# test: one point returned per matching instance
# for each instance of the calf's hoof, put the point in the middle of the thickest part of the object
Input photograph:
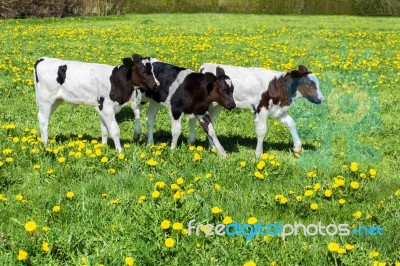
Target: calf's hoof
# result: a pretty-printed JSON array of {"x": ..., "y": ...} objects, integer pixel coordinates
[{"x": 297, "y": 153}]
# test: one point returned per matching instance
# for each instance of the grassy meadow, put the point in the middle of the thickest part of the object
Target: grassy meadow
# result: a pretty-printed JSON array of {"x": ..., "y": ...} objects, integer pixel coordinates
[{"x": 76, "y": 202}]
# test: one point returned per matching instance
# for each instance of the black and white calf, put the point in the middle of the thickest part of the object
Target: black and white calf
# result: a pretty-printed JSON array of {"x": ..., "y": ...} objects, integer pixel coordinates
[
  {"x": 105, "y": 87},
  {"x": 267, "y": 93},
  {"x": 183, "y": 91}
]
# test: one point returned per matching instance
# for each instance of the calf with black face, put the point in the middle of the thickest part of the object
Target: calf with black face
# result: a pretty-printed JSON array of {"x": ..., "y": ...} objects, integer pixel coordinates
[{"x": 183, "y": 91}]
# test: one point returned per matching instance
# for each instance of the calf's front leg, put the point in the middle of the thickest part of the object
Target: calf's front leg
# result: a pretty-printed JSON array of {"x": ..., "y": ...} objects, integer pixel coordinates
[
  {"x": 206, "y": 124},
  {"x": 289, "y": 122},
  {"x": 260, "y": 122}
]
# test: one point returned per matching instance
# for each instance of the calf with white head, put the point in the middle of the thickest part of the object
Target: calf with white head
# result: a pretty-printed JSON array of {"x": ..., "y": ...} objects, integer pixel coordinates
[
  {"x": 104, "y": 87},
  {"x": 267, "y": 93}
]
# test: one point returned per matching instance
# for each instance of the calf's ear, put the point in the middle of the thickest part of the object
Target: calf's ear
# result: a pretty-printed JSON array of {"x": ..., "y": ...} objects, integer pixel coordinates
[
  {"x": 136, "y": 58},
  {"x": 220, "y": 71},
  {"x": 303, "y": 69},
  {"x": 210, "y": 77},
  {"x": 128, "y": 63}
]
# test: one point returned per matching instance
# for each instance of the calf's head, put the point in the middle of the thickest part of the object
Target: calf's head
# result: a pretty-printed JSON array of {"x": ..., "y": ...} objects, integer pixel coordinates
[
  {"x": 140, "y": 71},
  {"x": 303, "y": 83},
  {"x": 221, "y": 88}
]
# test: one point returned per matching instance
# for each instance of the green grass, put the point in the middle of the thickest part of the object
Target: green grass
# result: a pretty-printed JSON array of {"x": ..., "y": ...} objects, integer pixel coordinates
[{"x": 357, "y": 61}]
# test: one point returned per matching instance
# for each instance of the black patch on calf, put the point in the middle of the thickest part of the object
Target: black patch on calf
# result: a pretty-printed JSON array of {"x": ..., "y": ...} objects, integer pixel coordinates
[
  {"x": 121, "y": 87},
  {"x": 191, "y": 97},
  {"x": 37, "y": 63},
  {"x": 277, "y": 92},
  {"x": 100, "y": 101},
  {"x": 166, "y": 74},
  {"x": 61, "y": 74}
]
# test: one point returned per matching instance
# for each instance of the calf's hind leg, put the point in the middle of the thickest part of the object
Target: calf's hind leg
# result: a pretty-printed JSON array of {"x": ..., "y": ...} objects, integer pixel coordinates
[
  {"x": 110, "y": 123},
  {"x": 45, "y": 111}
]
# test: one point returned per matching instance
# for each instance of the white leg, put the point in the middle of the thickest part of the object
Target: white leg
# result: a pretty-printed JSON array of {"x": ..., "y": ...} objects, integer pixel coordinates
[
  {"x": 137, "y": 108},
  {"x": 214, "y": 112},
  {"x": 108, "y": 118},
  {"x": 260, "y": 122},
  {"x": 176, "y": 128},
  {"x": 192, "y": 130},
  {"x": 150, "y": 119},
  {"x": 206, "y": 124},
  {"x": 289, "y": 122},
  {"x": 45, "y": 111},
  {"x": 104, "y": 131}
]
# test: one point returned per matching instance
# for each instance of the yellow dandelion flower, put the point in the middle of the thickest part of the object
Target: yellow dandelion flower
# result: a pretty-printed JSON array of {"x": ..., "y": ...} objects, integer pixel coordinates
[
  {"x": 374, "y": 254},
  {"x": 354, "y": 167},
  {"x": 104, "y": 159},
  {"x": 299, "y": 198},
  {"x": 311, "y": 174},
  {"x": 227, "y": 220},
  {"x": 160, "y": 184},
  {"x": 45, "y": 228},
  {"x": 61, "y": 159},
  {"x": 357, "y": 214},
  {"x": 314, "y": 206},
  {"x": 342, "y": 201},
  {"x": 121, "y": 156},
  {"x": 283, "y": 200},
  {"x": 341, "y": 251},
  {"x": 192, "y": 148},
  {"x": 199, "y": 148},
  {"x": 349, "y": 247},
  {"x": 9, "y": 160},
  {"x": 36, "y": 166},
  {"x": 354, "y": 185},
  {"x": 180, "y": 181},
  {"x": 151, "y": 162},
  {"x": 70, "y": 194},
  {"x": 165, "y": 224},
  {"x": 155, "y": 194},
  {"x": 208, "y": 175},
  {"x": 217, "y": 187},
  {"x": 196, "y": 157},
  {"x": 260, "y": 165},
  {"x": 174, "y": 187},
  {"x": 7, "y": 151},
  {"x": 31, "y": 227},
  {"x": 45, "y": 247},
  {"x": 252, "y": 220},
  {"x": 317, "y": 186},
  {"x": 372, "y": 172},
  {"x": 216, "y": 210},
  {"x": 250, "y": 263},
  {"x": 177, "y": 226},
  {"x": 308, "y": 193},
  {"x": 169, "y": 242},
  {"x": 328, "y": 193},
  {"x": 259, "y": 175},
  {"x": 129, "y": 261},
  {"x": 56, "y": 208},
  {"x": 363, "y": 175},
  {"x": 111, "y": 171},
  {"x": 243, "y": 163},
  {"x": 141, "y": 199},
  {"x": 22, "y": 255},
  {"x": 177, "y": 195},
  {"x": 333, "y": 247},
  {"x": 19, "y": 197}
]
